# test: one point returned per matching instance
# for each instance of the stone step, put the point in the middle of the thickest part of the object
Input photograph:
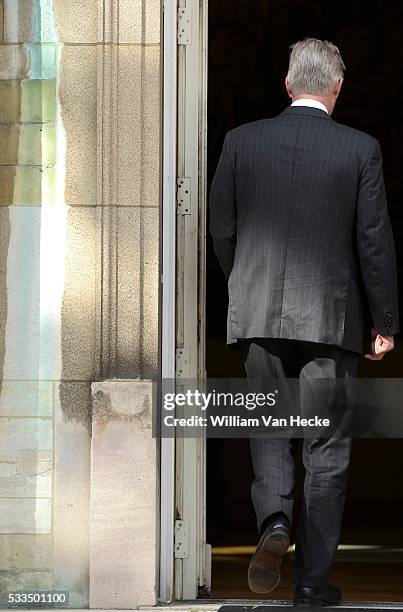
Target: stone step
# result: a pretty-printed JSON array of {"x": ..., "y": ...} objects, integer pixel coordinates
[{"x": 287, "y": 605}]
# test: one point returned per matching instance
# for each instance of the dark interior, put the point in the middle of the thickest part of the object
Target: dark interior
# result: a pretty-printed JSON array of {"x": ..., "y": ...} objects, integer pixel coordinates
[{"x": 248, "y": 58}]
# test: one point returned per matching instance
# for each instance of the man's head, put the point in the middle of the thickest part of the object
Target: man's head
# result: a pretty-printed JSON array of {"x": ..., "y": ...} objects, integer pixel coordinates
[{"x": 315, "y": 71}]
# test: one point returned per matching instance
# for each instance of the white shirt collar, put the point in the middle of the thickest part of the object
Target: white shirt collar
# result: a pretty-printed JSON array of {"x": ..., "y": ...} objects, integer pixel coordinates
[{"x": 310, "y": 102}]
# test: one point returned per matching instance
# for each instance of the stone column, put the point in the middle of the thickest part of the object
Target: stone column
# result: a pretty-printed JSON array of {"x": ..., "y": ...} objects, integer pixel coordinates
[{"x": 124, "y": 505}]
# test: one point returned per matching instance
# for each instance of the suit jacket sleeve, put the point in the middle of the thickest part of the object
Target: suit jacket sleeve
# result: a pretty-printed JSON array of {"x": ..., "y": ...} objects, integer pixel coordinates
[
  {"x": 376, "y": 247},
  {"x": 222, "y": 204}
]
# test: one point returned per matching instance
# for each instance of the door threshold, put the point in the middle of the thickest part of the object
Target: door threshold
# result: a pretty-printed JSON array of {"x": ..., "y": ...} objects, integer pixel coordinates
[
  {"x": 255, "y": 605},
  {"x": 265, "y": 606}
]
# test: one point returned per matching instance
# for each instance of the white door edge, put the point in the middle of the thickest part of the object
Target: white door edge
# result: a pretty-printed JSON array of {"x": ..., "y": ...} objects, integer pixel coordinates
[
  {"x": 182, "y": 462},
  {"x": 168, "y": 238}
]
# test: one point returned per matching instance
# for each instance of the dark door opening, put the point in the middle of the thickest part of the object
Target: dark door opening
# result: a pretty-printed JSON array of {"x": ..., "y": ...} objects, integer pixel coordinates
[{"x": 248, "y": 57}]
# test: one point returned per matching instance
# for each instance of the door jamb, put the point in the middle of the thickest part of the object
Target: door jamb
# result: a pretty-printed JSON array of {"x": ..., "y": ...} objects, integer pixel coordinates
[
  {"x": 168, "y": 278},
  {"x": 168, "y": 290}
]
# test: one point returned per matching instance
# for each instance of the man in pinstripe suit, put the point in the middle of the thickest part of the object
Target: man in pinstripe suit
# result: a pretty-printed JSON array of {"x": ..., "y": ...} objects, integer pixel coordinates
[{"x": 300, "y": 225}]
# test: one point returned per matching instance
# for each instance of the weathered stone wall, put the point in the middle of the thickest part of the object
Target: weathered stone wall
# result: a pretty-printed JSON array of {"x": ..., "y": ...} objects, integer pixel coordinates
[{"x": 79, "y": 231}]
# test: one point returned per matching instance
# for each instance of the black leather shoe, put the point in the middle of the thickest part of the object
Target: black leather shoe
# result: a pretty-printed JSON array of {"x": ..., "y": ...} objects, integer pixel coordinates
[
  {"x": 264, "y": 567},
  {"x": 307, "y": 597}
]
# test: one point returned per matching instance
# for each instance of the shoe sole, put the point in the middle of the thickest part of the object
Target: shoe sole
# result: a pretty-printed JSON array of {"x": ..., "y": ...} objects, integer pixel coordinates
[{"x": 264, "y": 567}]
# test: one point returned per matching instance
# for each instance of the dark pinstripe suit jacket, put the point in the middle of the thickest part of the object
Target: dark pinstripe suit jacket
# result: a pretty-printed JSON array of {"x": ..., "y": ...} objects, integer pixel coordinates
[{"x": 300, "y": 225}]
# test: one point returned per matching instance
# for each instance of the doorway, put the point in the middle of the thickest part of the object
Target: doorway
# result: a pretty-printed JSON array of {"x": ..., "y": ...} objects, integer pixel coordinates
[{"x": 248, "y": 46}]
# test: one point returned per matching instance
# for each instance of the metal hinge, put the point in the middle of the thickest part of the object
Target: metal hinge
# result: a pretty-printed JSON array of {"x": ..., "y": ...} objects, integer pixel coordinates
[
  {"x": 183, "y": 196},
  {"x": 184, "y": 25},
  {"x": 181, "y": 539},
  {"x": 182, "y": 365}
]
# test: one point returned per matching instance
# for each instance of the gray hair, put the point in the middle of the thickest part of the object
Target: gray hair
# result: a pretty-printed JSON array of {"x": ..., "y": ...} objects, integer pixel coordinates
[{"x": 315, "y": 66}]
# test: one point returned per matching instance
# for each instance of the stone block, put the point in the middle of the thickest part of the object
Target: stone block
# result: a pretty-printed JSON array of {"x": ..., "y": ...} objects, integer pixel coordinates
[
  {"x": 78, "y": 107},
  {"x": 123, "y": 467},
  {"x": 138, "y": 282},
  {"x": 125, "y": 21},
  {"x": 29, "y": 21},
  {"x": 42, "y": 61},
  {"x": 26, "y": 552},
  {"x": 27, "y": 101},
  {"x": 25, "y": 515},
  {"x": 33, "y": 469},
  {"x": 77, "y": 21},
  {"x": 38, "y": 100},
  {"x": 27, "y": 186},
  {"x": 78, "y": 323},
  {"x": 26, "y": 398},
  {"x": 140, "y": 21},
  {"x": 131, "y": 119},
  {"x": 25, "y": 434},
  {"x": 31, "y": 61},
  {"x": 136, "y": 125},
  {"x": 14, "y": 62},
  {"x": 23, "y": 581},
  {"x": 27, "y": 144},
  {"x": 10, "y": 101},
  {"x": 36, "y": 484}
]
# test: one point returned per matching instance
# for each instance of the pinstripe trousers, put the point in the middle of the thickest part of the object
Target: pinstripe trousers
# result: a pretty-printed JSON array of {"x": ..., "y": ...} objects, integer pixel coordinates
[{"x": 326, "y": 461}]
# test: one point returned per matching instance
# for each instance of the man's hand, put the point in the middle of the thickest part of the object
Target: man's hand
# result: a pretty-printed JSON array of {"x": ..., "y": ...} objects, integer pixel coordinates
[{"x": 380, "y": 345}]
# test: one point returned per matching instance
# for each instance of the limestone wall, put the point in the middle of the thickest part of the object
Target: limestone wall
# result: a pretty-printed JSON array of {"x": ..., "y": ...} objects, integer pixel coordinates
[{"x": 79, "y": 244}]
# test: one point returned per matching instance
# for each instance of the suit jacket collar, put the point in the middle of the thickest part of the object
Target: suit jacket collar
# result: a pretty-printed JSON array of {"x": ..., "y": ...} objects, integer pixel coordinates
[{"x": 306, "y": 111}]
